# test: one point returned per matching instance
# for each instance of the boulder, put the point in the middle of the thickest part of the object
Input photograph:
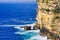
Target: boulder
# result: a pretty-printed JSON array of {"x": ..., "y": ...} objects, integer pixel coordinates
[{"x": 27, "y": 28}]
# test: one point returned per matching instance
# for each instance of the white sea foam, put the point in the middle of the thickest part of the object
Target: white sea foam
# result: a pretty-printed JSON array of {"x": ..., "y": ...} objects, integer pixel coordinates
[
  {"x": 37, "y": 38},
  {"x": 21, "y": 33},
  {"x": 33, "y": 33},
  {"x": 18, "y": 27},
  {"x": 26, "y": 32}
]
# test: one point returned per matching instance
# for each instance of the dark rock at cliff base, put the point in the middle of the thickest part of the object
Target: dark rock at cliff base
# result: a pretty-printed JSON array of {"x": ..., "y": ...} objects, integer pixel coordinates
[
  {"x": 36, "y": 27},
  {"x": 27, "y": 28}
]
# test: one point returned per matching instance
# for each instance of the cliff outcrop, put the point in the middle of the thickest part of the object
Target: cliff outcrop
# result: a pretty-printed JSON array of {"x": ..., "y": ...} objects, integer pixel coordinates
[{"x": 48, "y": 17}]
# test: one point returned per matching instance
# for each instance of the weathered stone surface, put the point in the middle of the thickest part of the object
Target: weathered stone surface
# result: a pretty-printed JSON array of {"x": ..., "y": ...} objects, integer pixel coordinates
[
  {"x": 36, "y": 27},
  {"x": 48, "y": 18}
]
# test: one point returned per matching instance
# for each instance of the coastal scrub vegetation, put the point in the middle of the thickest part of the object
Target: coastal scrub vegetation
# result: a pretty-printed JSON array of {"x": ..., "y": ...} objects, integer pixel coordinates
[
  {"x": 47, "y": 1},
  {"x": 57, "y": 17},
  {"x": 44, "y": 9},
  {"x": 56, "y": 10}
]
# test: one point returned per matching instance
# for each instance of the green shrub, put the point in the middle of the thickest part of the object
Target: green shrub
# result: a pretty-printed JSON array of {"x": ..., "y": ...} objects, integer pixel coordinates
[
  {"x": 47, "y": 10},
  {"x": 56, "y": 10},
  {"x": 46, "y": 1},
  {"x": 57, "y": 17}
]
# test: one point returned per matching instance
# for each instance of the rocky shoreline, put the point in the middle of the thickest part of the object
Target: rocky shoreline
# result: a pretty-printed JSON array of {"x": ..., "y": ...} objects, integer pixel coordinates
[
  {"x": 48, "y": 17},
  {"x": 35, "y": 27},
  {"x": 44, "y": 32}
]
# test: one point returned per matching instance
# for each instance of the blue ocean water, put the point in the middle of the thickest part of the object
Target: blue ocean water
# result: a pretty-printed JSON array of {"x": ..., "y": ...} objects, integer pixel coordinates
[
  {"x": 18, "y": 14},
  {"x": 12, "y": 33}
]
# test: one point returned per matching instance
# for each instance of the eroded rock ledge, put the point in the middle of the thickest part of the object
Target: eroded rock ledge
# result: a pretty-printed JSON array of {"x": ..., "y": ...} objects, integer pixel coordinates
[{"x": 48, "y": 17}]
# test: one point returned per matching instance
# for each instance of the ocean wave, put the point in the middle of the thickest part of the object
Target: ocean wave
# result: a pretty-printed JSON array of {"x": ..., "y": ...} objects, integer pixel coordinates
[
  {"x": 31, "y": 34},
  {"x": 26, "y": 32},
  {"x": 21, "y": 33},
  {"x": 34, "y": 35},
  {"x": 37, "y": 38}
]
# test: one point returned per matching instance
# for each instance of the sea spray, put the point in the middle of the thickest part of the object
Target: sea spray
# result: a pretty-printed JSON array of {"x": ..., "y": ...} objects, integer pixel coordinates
[{"x": 30, "y": 34}]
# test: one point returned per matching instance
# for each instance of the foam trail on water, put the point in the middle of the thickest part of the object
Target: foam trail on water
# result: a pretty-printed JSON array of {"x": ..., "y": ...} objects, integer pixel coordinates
[
  {"x": 18, "y": 26},
  {"x": 32, "y": 34},
  {"x": 21, "y": 33},
  {"x": 26, "y": 32}
]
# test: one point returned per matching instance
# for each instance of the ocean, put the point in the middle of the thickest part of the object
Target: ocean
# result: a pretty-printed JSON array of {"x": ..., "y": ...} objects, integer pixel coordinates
[
  {"x": 15, "y": 13},
  {"x": 12, "y": 15}
]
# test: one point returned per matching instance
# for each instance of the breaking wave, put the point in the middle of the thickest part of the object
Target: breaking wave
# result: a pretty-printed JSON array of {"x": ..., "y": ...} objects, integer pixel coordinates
[{"x": 31, "y": 34}]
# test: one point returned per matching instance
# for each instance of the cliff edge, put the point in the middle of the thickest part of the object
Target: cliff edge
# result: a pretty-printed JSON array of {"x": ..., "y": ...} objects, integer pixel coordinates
[{"x": 48, "y": 17}]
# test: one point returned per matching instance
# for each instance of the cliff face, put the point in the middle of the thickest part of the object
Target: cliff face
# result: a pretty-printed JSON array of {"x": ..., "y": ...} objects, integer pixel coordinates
[{"x": 48, "y": 17}]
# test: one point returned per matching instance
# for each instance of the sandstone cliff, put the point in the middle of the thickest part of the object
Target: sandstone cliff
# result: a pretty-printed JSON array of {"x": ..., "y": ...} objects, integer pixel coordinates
[{"x": 48, "y": 17}]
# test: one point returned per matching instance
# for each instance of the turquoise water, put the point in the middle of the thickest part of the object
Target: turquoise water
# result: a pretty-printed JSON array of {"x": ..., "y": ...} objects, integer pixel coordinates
[{"x": 15, "y": 33}]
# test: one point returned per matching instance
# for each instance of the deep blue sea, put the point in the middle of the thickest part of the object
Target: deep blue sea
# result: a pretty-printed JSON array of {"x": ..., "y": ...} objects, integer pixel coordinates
[{"x": 18, "y": 14}]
